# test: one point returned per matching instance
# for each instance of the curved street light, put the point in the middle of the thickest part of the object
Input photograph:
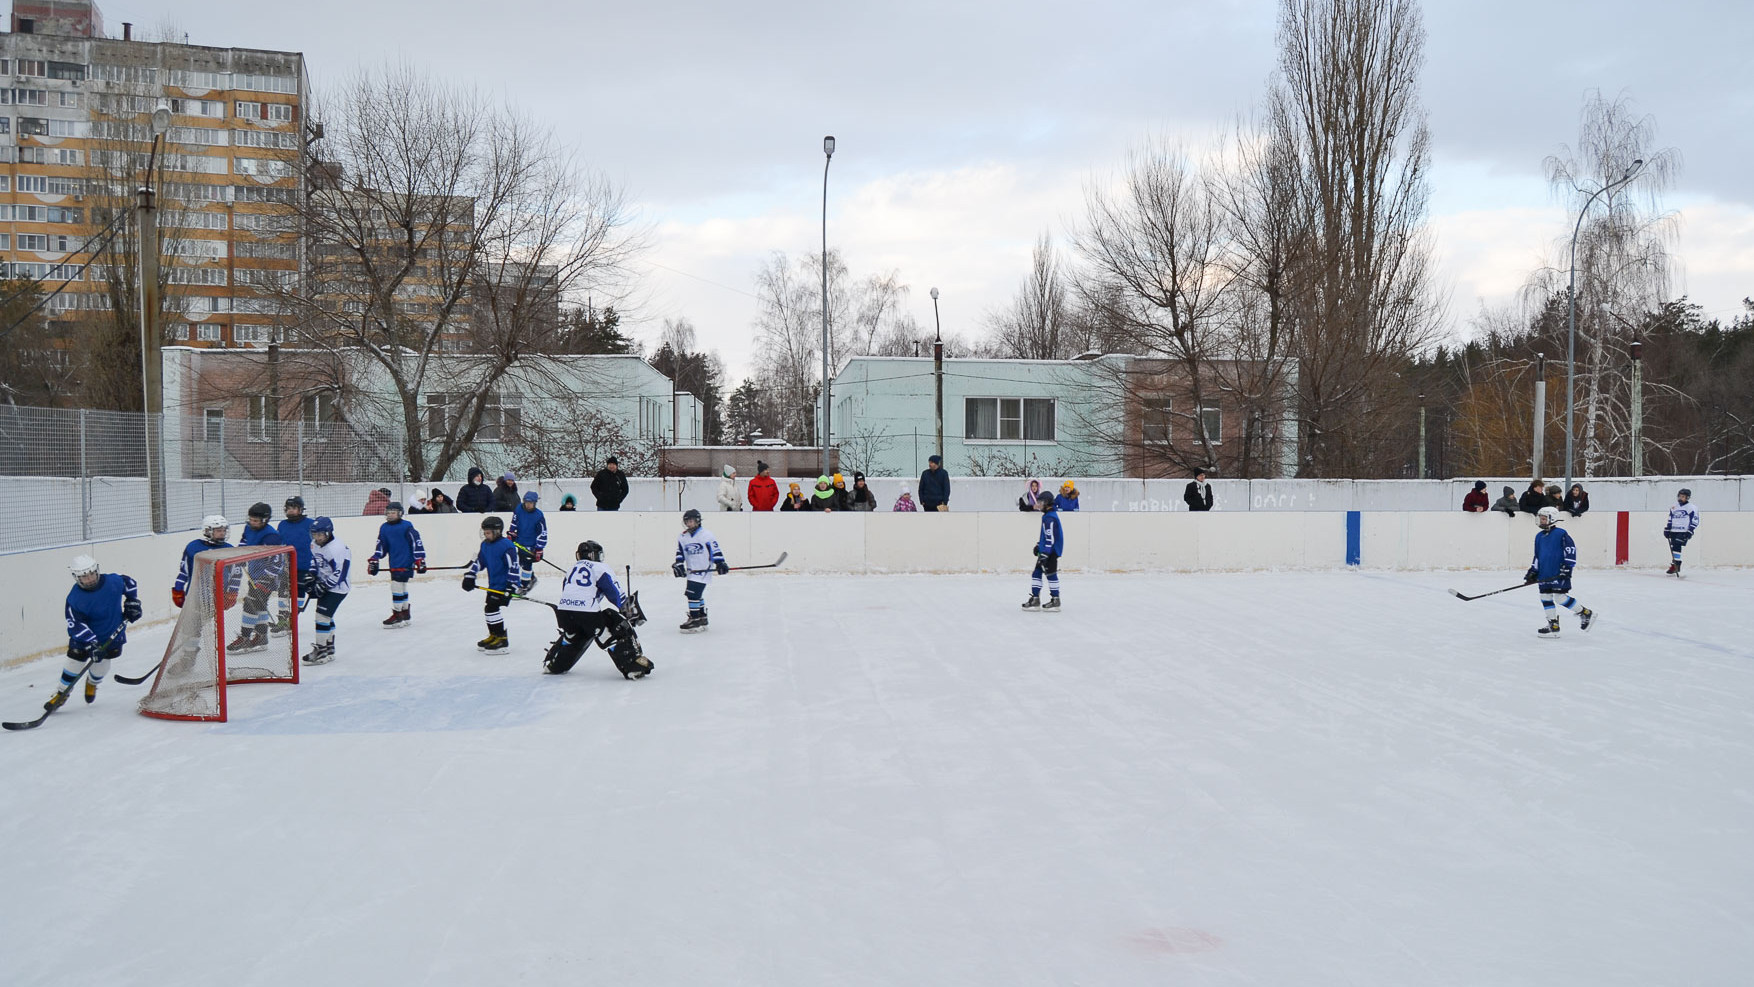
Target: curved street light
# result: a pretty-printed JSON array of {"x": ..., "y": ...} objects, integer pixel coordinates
[
  {"x": 1571, "y": 315},
  {"x": 827, "y": 158}
]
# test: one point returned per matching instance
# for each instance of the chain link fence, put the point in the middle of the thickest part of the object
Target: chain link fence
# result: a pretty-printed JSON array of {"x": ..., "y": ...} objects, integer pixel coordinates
[{"x": 69, "y": 476}]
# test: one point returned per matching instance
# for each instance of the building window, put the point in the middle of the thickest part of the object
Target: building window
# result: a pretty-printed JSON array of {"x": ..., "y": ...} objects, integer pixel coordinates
[
  {"x": 33, "y": 241},
  {"x": 33, "y": 183},
  {"x": 68, "y": 156},
  {"x": 32, "y": 127},
  {"x": 1154, "y": 416},
  {"x": 214, "y": 425},
  {"x": 501, "y": 418},
  {"x": 211, "y": 332},
  {"x": 438, "y": 423},
  {"x": 69, "y": 128},
  {"x": 5, "y": 241},
  {"x": 1009, "y": 419},
  {"x": 264, "y": 417},
  {"x": 319, "y": 414},
  {"x": 1212, "y": 420},
  {"x": 33, "y": 155},
  {"x": 72, "y": 71},
  {"x": 30, "y": 97},
  {"x": 32, "y": 66},
  {"x": 69, "y": 100},
  {"x": 280, "y": 112}
]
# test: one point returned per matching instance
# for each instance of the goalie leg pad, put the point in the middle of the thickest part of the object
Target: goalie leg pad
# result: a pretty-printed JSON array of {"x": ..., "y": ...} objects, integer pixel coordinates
[
  {"x": 624, "y": 650},
  {"x": 576, "y": 630}
]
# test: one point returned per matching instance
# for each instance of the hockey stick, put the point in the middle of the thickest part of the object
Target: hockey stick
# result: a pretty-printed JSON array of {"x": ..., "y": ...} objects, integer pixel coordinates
[
  {"x": 545, "y": 558},
  {"x": 33, "y": 724},
  {"x": 770, "y": 565},
  {"x": 1458, "y": 594},
  {"x": 517, "y": 596}
]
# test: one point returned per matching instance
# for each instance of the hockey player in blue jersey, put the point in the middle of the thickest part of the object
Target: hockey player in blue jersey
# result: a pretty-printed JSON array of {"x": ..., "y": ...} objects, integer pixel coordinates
[
  {"x": 529, "y": 532},
  {"x": 331, "y": 571},
  {"x": 1683, "y": 520},
  {"x": 1555, "y": 556},
  {"x": 697, "y": 558},
  {"x": 1049, "y": 546},
  {"x": 295, "y": 531},
  {"x": 100, "y": 606},
  {"x": 399, "y": 547},
  {"x": 498, "y": 562},
  {"x": 214, "y": 530},
  {"x": 591, "y": 606},
  {"x": 264, "y": 577}
]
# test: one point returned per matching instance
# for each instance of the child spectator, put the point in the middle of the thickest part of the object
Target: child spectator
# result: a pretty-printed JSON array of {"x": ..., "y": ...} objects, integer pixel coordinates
[
  {"x": 1577, "y": 503},
  {"x": 860, "y": 497},
  {"x": 1507, "y": 503},
  {"x": 1068, "y": 498},
  {"x": 795, "y": 500},
  {"x": 1476, "y": 502},
  {"x": 1026, "y": 503},
  {"x": 905, "y": 503}
]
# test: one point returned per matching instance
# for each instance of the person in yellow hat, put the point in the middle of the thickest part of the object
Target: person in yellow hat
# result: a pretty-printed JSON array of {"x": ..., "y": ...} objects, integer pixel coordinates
[{"x": 1068, "y": 498}]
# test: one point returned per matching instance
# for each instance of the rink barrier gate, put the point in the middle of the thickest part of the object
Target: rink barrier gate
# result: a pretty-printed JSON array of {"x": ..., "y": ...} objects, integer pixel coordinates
[{"x": 34, "y": 584}]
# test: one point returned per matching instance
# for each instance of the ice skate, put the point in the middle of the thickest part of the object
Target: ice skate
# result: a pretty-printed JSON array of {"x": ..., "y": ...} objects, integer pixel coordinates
[
  {"x": 1033, "y": 603},
  {"x": 1052, "y": 605},
  {"x": 1675, "y": 569},
  {"x": 90, "y": 691},
  {"x": 399, "y": 618},
  {"x": 1585, "y": 618},
  {"x": 494, "y": 644},
  {"x": 695, "y": 623},
  {"x": 282, "y": 625},
  {"x": 55, "y": 702},
  {"x": 1551, "y": 631},
  {"x": 248, "y": 640},
  {"x": 320, "y": 654}
]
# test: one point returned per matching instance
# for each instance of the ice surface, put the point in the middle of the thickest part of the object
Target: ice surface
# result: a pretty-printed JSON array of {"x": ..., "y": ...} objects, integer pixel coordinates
[{"x": 1266, "y": 778}]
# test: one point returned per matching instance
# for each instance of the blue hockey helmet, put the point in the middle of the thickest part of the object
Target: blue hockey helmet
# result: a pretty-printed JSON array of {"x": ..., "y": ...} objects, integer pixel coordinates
[{"x": 322, "y": 526}]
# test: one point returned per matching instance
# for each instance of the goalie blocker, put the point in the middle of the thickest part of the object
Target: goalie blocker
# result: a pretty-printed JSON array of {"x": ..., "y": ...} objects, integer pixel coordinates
[{"x": 592, "y": 608}]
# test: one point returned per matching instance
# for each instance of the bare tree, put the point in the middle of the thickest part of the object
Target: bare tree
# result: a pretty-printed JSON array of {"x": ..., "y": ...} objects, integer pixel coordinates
[
  {"x": 1346, "y": 108},
  {"x": 440, "y": 225},
  {"x": 1039, "y": 323}
]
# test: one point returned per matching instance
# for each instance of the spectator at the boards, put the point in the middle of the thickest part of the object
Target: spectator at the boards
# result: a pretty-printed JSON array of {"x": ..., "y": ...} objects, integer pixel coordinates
[
  {"x": 1477, "y": 501},
  {"x": 440, "y": 503},
  {"x": 1534, "y": 498},
  {"x": 1507, "y": 503},
  {"x": 822, "y": 498},
  {"x": 475, "y": 497},
  {"x": 860, "y": 498},
  {"x": 609, "y": 486},
  {"x": 377, "y": 500},
  {"x": 419, "y": 507},
  {"x": 505, "y": 493},
  {"x": 1067, "y": 500},
  {"x": 1198, "y": 495},
  {"x": 730, "y": 498},
  {"x": 843, "y": 501},
  {"x": 1027, "y": 501},
  {"x": 795, "y": 500},
  {"x": 1554, "y": 500},
  {"x": 569, "y": 503},
  {"x": 935, "y": 485},
  {"x": 905, "y": 503},
  {"x": 1577, "y": 502},
  {"x": 763, "y": 492}
]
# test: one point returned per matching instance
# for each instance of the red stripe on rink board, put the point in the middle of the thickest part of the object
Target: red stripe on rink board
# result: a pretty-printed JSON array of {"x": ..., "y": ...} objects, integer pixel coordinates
[{"x": 1622, "y": 538}]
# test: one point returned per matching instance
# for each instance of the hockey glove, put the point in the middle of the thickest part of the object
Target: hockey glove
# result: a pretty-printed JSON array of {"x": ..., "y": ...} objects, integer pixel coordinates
[
  {"x": 678, "y": 570},
  {"x": 307, "y": 583},
  {"x": 1037, "y": 550},
  {"x": 131, "y": 611},
  {"x": 722, "y": 567},
  {"x": 177, "y": 598},
  {"x": 469, "y": 583},
  {"x": 1531, "y": 575},
  {"x": 536, "y": 556},
  {"x": 79, "y": 652},
  {"x": 371, "y": 567},
  {"x": 420, "y": 565},
  {"x": 231, "y": 600}
]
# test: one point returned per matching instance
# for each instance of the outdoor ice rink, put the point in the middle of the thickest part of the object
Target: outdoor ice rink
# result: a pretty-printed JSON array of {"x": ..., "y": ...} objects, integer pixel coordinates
[{"x": 1343, "y": 778}]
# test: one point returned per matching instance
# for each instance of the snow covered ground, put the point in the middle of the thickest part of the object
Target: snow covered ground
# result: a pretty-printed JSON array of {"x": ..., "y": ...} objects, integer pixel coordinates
[{"x": 1264, "y": 778}]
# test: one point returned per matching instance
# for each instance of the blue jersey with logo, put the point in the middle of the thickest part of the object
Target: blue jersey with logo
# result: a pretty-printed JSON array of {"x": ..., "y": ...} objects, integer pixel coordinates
[
  {"x": 95, "y": 614},
  {"x": 498, "y": 559},
  {"x": 399, "y": 545},
  {"x": 1053, "y": 537},
  {"x": 529, "y": 528}
]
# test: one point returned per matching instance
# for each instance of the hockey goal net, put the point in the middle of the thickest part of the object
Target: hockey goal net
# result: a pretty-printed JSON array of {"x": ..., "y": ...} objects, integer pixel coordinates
[{"x": 231, "y": 587}]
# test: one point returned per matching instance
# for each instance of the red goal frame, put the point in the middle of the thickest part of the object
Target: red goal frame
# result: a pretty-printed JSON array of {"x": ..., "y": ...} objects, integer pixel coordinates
[{"x": 236, "y": 557}]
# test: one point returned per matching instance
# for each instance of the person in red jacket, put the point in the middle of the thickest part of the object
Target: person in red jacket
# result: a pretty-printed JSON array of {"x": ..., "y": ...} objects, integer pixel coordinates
[
  {"x": 1476, "y": 502},
  {"x": 763, "y": 492}
]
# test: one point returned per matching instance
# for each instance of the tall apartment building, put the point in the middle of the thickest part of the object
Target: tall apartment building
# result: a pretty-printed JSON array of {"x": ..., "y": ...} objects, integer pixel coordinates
[{"x": 74, "y": 144}]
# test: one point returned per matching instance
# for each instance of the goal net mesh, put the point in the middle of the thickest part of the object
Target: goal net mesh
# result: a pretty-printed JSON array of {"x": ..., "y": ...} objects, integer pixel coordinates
[{"x": 208, "y": 650}]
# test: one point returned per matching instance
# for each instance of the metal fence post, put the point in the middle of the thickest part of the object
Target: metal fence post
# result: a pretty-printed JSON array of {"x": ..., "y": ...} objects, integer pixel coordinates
[
  {"x": 84, "y": 485},
  {"x": 221, "y": 469},
  {"x": 300, "y": 446}
]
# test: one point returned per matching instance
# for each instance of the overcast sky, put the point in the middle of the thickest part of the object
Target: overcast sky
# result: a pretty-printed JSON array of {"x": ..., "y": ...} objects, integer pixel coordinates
[{"x": 966, "y": 129}]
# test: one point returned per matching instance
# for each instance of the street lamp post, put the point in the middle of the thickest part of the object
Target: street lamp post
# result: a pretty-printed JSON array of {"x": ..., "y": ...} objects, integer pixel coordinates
[
  {"x": 827, "y": 429},
  {"x": 938, "y": 371},
  {"x": 1637, "y": 410},
  {"x": 1422, "y": 435},
  {"x": 151, "y": 333},
  {"x": 1571, "y": 316}
]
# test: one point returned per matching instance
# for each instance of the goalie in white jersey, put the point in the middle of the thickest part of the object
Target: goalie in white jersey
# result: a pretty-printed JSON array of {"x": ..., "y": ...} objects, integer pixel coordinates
[
  {"x": 697, "y": 557},
  {"x": 592, "y": 608}
]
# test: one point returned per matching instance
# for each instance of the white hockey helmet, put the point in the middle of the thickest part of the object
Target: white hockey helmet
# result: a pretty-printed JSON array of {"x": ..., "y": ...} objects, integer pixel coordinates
[
  {"x": 82, "y": 565},
  {"x": 1547, "y": 517},
  {"x": 212, "y": 521}
]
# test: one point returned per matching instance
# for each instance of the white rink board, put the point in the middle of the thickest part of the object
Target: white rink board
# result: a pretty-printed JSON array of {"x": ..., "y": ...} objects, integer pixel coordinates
[{"x": 1310, "y": 778}]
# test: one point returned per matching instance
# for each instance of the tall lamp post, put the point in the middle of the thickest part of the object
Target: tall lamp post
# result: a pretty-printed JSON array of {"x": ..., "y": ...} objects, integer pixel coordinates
[
  {"x": 827, "y": 430},
  {"x": 938, "y": 371},
  {"x": 1571, "y": 316},
  {"x": 151, "y": 312}
]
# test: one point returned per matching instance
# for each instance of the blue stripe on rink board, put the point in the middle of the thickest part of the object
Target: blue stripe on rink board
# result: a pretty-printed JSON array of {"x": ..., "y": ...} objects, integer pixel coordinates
[{"x": 1354, "y": 552}]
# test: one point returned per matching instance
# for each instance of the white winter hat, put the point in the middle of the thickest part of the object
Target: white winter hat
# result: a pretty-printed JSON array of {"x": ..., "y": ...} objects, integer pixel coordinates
[
  {"x": 730, "y": 470},
  {"x": 906, "y": 489}
]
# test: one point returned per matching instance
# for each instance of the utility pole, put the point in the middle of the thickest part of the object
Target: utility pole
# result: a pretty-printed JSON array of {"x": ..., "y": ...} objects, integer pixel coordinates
[
  {"x": 827, "y": 429},
  {"x": 1540, "y": 414},
  {"x": 1422, "y": 436},
  {"x": 938, "y": 372},
  {"x": 1637, "y": 409}
]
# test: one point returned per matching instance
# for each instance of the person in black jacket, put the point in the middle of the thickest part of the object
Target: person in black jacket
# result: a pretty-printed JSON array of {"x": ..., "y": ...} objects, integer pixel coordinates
[
  {"x": 860, "y": 498},
  {"x": 1577, "y": 502},
  {"x": 475, "y": 497},
  {"x": 505, "y": 493},
  {"x": 1198, "y": 494},
  {"x": 935, "y": 485},
  {"x": 1533, "y": 499},
  {"x": 609, "y": 486}
]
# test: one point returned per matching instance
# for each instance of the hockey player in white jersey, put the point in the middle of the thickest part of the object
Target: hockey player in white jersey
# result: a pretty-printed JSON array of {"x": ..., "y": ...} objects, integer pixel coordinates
[
  {"x": 592, "y": 608},
  {"x": 697, "y": 558},
  {"x": 333, "y": 564},
  {"x": 1678, "y": 529}
]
